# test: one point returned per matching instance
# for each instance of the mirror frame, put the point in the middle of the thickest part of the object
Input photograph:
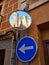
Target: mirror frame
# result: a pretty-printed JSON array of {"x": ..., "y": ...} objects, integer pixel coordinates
[{"x": 18, "y": 27}]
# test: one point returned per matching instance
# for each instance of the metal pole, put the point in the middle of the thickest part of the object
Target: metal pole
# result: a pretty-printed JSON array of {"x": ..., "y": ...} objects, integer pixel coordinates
[
  {"x": 19, "y": 34},
  {"x": 15, "y": 43},
  {"x": 26, "y": 63},
  {"x": 25, "y": 34}
]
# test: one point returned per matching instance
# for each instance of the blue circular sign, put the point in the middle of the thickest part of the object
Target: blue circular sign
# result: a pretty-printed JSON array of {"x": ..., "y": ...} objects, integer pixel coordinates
[{"x": 26, "y": 49}]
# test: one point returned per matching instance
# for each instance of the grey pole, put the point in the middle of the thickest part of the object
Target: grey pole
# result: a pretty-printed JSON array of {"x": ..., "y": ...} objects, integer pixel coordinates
[
  {"x": 17, "y": 41},
  {"x": 25, "y": 34}
]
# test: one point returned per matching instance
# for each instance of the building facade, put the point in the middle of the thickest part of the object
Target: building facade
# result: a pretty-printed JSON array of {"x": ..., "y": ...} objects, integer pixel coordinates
[{"x": 39, "y": 29}]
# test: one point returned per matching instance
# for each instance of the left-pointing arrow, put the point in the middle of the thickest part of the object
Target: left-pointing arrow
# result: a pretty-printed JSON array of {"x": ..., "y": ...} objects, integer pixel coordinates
[{"x": 23, "y": 48}]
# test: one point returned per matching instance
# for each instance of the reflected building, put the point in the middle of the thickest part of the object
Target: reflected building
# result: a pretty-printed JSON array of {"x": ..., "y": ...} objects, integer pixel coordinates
[
  {"x": 15, "y": 19},
  {"x": 23, "y": 21}
]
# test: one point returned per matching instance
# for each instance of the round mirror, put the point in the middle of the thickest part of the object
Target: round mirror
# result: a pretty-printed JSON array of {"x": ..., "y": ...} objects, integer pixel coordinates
[{"x": 20, "y": 19}]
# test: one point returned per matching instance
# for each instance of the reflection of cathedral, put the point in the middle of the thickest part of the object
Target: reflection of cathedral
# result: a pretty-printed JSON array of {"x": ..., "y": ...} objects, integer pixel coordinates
[
  {"x": 15, "y": 19},
  {"x": 24, "y": 21},
  {"x": 21, "y": 22}
]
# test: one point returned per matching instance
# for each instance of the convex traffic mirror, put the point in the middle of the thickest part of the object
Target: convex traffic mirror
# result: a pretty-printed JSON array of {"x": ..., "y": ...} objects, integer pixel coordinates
[{"x": 19, "y": 19}]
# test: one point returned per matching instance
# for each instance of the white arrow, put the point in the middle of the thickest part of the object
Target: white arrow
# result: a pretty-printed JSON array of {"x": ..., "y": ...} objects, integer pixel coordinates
[{"x": 23, "y": 48}]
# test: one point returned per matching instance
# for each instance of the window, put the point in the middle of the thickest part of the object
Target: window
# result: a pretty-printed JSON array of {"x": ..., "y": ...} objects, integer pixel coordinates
[
  {"x": 32, "y": 3},
  {"x": 1, "y": 0},
  {"x": 46, "y": 51},
  {"x": 1, "y": 6},
  {"x": 0, "y": 13},
  {"x": 2, "y": 55},
  {"x": 0, "y": 9}
]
